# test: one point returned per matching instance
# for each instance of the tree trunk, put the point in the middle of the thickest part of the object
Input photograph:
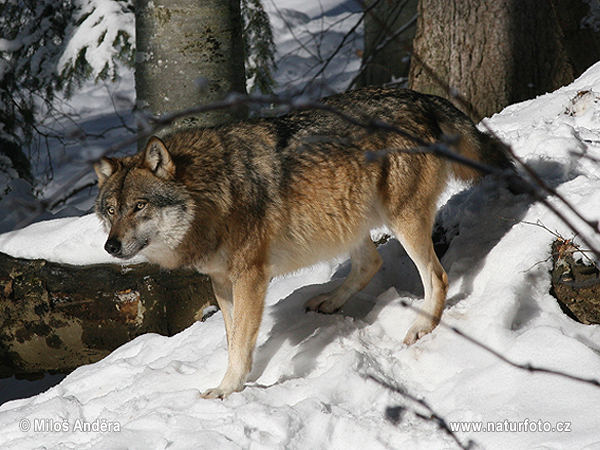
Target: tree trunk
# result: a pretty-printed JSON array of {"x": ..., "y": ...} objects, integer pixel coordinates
[
  {"x": 492, "y": 52},
  {"x": 188, "y": 53},
  {"x": 56, "y": 317},
  {"x": 581, "y": 37},
  {"x": 389, "y": 30}
]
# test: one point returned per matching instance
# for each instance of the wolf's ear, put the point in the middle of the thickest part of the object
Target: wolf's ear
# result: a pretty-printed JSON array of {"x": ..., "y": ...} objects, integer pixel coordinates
[
  {"x": 104, "y": 168},
  {"x": 158, "y": 160}
]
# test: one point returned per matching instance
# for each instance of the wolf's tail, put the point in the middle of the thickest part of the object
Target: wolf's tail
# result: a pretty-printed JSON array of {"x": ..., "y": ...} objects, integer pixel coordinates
[{"x": 471, "y": 143}]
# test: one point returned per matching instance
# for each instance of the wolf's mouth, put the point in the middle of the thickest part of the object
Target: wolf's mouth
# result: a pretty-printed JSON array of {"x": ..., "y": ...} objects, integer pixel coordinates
[
  {"x": 115, "y": 248},
  {"x": 144, "y": 245},
  {"x": 137, "y": 250}
]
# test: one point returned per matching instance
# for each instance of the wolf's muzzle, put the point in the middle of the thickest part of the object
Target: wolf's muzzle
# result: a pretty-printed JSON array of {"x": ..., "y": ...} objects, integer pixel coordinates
[{"x": 113, "y": 246}]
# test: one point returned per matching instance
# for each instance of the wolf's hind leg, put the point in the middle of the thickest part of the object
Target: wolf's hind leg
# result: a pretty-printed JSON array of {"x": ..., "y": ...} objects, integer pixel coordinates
[
  {"x": 365, "y": 263},
  {"x": 415, "y": 236}
]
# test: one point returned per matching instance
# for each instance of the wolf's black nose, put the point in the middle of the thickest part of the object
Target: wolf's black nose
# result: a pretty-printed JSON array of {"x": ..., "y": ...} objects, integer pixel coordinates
[{"x": 113, "y": 246}]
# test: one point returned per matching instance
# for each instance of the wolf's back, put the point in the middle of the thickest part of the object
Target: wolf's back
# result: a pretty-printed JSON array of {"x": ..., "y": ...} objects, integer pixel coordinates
[
  {"x": 426, "y": 117},
  {"x": 473, "y": 144}
]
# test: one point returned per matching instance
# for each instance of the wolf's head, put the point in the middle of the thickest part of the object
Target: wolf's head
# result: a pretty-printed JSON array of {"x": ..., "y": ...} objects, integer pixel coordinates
[{"x": 142, "y": 205}]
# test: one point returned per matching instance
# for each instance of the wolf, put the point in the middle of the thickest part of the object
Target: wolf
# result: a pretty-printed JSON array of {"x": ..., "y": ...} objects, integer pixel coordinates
[{"x": 247, "y": 201}]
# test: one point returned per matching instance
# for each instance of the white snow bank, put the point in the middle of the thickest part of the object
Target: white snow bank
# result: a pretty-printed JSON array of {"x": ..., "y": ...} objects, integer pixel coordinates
[
  {"x": 310, "y": 386},
  {"x": 71, "y": 240}
]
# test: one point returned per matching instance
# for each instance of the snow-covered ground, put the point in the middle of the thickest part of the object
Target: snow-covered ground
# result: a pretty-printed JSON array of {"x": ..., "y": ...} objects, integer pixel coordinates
[{"x": 312, "y": 386}]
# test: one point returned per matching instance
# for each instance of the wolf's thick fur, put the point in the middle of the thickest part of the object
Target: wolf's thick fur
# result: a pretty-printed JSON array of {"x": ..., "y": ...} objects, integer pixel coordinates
[{"x": 247, "y": 201}]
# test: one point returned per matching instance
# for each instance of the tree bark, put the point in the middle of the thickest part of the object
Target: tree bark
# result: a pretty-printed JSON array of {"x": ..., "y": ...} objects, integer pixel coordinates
[
  {"x": 188, "y": 52},
  {"x": 493, "y": 52},
  {"x": 56, "y": 317}
]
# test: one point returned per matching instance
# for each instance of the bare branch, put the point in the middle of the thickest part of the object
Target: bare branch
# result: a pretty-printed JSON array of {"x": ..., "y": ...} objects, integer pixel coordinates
[
  {"x": 528, "y": 367},
  {"x": 339, "y": 47},
  {"x": 432, "y": 417},
  {"x": 371, "y": 124},
  {"x": 539, "y": 183}
]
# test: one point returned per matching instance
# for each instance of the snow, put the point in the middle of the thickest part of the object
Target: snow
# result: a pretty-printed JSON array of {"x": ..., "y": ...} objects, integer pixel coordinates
[
  {"x": 70, "y": 240},
  {"x": 103, "y": 29},
  {"x": 95, "y": 118},
  {"x": 313, "y": 382},
  {"x": 311, "y": 386}
]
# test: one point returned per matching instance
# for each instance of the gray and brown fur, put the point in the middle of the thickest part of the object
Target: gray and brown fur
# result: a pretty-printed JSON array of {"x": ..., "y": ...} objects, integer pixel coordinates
[{"x": 251, "y": 200}]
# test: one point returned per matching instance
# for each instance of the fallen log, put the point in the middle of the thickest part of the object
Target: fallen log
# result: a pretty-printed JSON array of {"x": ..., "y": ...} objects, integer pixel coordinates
[{"x": 56, "y": 317}]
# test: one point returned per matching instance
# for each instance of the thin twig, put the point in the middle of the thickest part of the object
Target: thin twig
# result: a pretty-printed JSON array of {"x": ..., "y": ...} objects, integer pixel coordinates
[
  {"x": 471, "y": 110},
  {"x": 528, "y": 367},
  {"x": 433, "y": 416},
  {"x": 441, "y": 148},
  {"x": 339, "y": 47}
]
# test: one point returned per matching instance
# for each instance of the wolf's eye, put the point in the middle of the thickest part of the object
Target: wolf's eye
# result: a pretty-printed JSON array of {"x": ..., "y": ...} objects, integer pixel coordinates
[
  {"x": 139, "y": 206},
  {"x": 110, "y": 210}
]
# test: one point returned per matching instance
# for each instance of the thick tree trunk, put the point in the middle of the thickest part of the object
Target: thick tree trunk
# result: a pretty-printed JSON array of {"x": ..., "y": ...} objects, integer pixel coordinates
[
  {"x": 188, "y": 53},
  {"x": 56, "y": 317},
  {"x": 492, "y": 52},
  {"x": 389, "y": 30}
]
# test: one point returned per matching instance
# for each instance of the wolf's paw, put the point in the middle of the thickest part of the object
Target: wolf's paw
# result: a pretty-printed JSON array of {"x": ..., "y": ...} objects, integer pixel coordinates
[
  {"x": 233, "y": 381},
  {"x": 215, "y": 393},
  {"x": 417, "y": 331},
  {"x": 324, "y": 303}
]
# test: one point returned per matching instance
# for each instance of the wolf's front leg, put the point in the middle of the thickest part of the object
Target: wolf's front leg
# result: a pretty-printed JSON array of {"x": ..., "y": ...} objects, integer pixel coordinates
[{"x": 249, "y": 291}]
